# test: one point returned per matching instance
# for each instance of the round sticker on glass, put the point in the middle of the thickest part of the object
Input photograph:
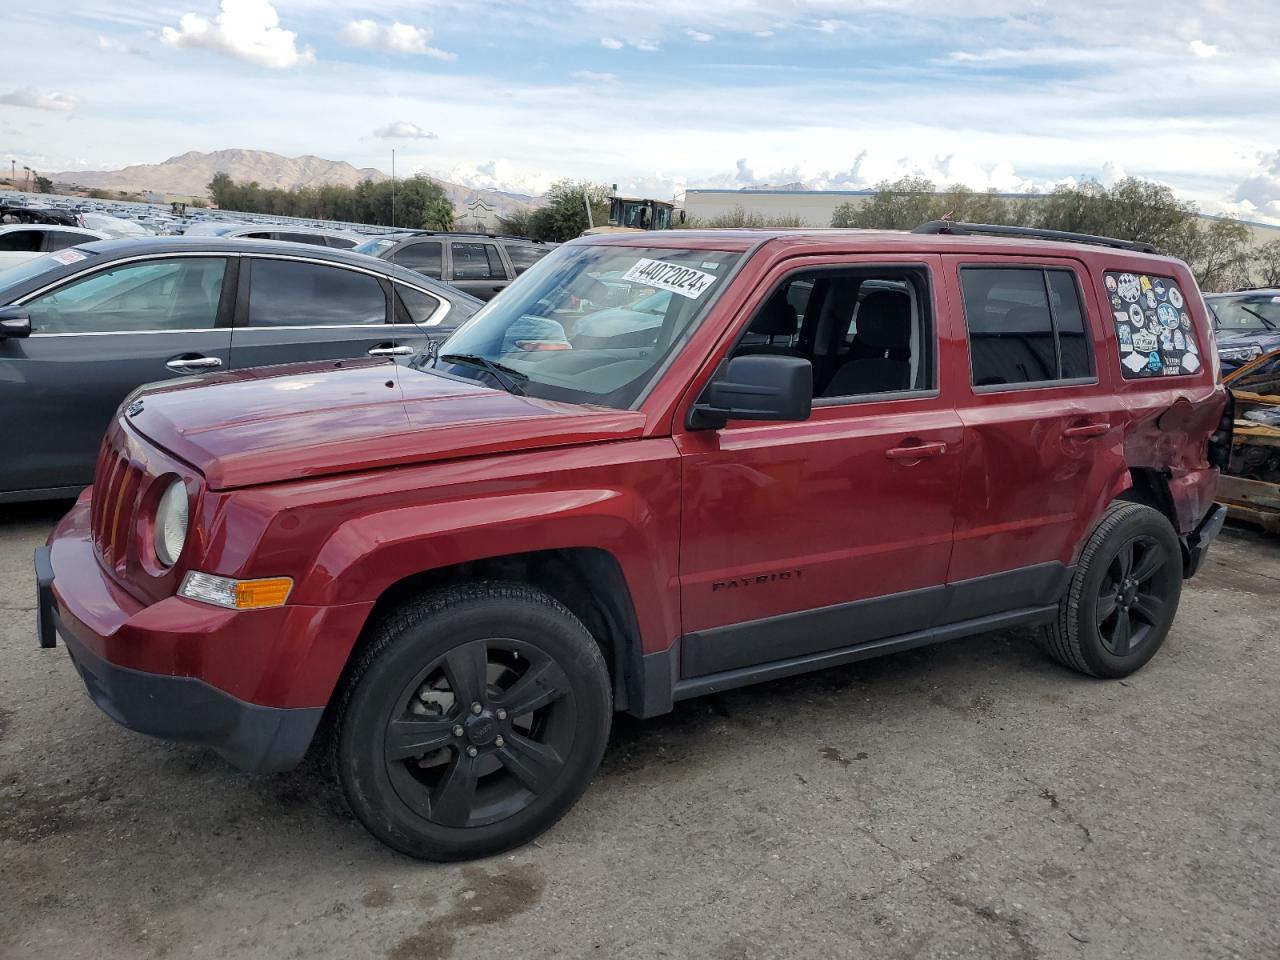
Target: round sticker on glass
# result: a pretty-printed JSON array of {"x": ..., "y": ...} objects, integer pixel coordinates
[
  {"x": 1135, "y": 315},
  {"x": 1175, "y": 297},
  {"x": 1110, "y": 283}
]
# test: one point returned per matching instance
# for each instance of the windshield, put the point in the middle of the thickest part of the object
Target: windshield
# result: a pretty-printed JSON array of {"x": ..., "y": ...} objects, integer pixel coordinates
[
  {"x": 371, "y": 247},
  {"x": 589, "y": 324},
  {"x": 1245, "y": 314}
]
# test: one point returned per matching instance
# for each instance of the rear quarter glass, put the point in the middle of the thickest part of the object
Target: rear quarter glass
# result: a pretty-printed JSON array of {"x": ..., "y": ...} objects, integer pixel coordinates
[{"x": 1154, "y": 332}]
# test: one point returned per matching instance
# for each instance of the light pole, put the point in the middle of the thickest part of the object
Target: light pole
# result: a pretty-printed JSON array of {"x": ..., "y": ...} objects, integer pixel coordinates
[
  {"x": 28, "y": 170},
  {"x": 393, "y": 186}
]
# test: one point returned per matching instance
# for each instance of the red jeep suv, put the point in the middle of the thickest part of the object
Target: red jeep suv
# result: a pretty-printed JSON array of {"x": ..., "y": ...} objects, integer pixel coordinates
[{"x": 656, "y": 467}]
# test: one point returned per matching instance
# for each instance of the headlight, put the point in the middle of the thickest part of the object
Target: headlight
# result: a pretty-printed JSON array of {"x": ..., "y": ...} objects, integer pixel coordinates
[
  {"x": 171, "y": 524},
  {"x": 1240, "y": 353}
]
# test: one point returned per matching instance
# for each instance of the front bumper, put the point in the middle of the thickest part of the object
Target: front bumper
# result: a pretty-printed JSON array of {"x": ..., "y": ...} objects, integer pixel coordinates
[{"x": 252, "y": 685}]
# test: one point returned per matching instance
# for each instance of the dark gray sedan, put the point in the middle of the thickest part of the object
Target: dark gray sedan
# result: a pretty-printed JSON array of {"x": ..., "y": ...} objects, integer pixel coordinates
[{"x": 81, "y": 328}]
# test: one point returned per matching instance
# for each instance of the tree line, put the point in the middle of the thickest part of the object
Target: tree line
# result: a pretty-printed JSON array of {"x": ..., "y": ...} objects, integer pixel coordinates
[
  {"x": 1217, "y": 250},
  {"x": 420, "y": 202}
]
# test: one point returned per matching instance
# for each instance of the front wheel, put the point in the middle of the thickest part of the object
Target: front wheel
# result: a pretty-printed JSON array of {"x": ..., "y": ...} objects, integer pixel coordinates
[
  {"x": 473, "y": 721},
  {"x": 1123, "y": 595}
]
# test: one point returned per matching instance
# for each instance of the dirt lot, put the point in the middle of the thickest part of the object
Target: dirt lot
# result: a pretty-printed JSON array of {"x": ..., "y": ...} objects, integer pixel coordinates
[{"x": 964, "y": 800}]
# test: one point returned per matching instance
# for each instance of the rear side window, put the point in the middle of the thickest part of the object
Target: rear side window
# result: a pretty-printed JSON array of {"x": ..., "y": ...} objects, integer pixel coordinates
[
  {"x": 422, "y": 257},
  {"x": 1026, "y": 325},
  {"x": 525, "y": 255},
  {"x": 1153, "y": 328},
  {"x": 285, "y": 293},
  {"x": 477, "y": 261},
  {"x": 421, "y": 307},
  {"x": 61, "y": 239}
]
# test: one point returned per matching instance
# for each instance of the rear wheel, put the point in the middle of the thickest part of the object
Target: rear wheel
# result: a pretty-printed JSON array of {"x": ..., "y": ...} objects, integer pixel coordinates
[
  {"x": 473, "y": 721},
  {"x": 1123, "y": 596}
]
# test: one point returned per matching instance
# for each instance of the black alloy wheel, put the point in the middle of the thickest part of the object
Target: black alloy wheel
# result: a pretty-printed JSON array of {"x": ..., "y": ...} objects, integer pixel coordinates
[
  {"x": 1123, "y": 594},
  {"x": 480, "y": 733},
  {"x": 1134, "y": 599},
  {"x": 472, "y": 721}
]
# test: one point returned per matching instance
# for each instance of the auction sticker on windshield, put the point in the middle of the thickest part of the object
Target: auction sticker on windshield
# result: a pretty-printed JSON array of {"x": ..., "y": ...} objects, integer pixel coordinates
[
  {"x": 684, "y": 281},
  {"x": 69, "y": 257}
]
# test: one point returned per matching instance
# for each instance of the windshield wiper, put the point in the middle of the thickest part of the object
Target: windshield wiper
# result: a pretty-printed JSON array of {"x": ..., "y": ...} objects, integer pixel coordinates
[
  {"x": 504, "y": 375},
  {"x": 1269, "y": 324}
]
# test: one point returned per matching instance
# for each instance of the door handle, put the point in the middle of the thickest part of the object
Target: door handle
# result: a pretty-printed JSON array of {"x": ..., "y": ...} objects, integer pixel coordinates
[
  {"x": 194, "y": 363},
  {"x": 1086, "y": 430},
  {"x": 390, "y": 351},
  {"x": 917, "y": 451}
]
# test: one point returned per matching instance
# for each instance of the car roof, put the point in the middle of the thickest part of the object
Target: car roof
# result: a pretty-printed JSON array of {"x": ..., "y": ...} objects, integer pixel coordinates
[
  {"x": 119, "y": 248},
  {"x": 850, "y": 239}
]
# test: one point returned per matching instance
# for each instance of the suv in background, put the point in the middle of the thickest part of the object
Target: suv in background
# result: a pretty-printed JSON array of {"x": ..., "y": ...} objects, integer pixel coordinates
[
  {"x": 1246, "y": 324},
  {"x": 828, "y": 446},
  {"x": 480, "y": 264}
]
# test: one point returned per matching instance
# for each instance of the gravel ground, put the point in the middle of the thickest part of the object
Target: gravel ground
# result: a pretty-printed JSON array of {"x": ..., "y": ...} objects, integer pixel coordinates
[{"x": 969, "y": 799}]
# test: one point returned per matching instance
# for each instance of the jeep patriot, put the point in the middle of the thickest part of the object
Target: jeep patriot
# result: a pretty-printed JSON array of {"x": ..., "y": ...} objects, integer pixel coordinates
[{"x": 656, "y": 467}]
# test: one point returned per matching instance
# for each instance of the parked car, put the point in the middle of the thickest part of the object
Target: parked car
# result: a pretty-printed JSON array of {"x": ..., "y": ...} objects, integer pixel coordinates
[
  {"x": 320, "y": 238},
  {"x": 85, "y": 326},
  {"x": 116, "y": 227},
  {"x": 27, "y": 241},
  {"x": 837, "y": 445},
  {"x": 481, "y": 264},
  {"x": 1246, "y": 324}
]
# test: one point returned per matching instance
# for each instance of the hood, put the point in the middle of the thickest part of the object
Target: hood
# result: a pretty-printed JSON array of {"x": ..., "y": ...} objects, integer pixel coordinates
[
  {"x": 1244, "y": 338},
  {"x": 314, "y": 419}
]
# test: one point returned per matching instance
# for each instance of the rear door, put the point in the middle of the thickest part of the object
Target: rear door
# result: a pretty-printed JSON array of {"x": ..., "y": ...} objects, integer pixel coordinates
[
  {"x": 291, "y": 309},
  {"x": 1041, "y": 441},
  {"x": 94, "y": 339},
  {"x": 477, "y": 267}
]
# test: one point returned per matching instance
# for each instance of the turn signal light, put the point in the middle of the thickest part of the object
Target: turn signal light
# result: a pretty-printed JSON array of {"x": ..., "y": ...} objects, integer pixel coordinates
[{"x": 236, "y": 594}]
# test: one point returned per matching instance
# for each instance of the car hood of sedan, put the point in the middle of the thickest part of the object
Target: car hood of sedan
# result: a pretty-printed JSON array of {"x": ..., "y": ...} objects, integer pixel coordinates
[{"x": 316, "y": 419}]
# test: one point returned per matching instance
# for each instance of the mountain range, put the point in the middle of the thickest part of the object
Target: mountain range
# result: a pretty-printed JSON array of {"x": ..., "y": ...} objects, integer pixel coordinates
[{"x": 189, "y": 174}]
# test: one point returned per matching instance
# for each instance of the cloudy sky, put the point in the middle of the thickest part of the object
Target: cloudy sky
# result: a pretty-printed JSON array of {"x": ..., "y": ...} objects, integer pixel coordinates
[{"x": 657, "y": 95}]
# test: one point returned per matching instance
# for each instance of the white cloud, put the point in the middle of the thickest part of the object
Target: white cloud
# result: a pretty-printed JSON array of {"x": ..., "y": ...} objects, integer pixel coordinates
[
  {"x": 404, "y": 130},
  {"x": 613, "y": 43},
  {"x": 698, "y": 36},
  {"x": 499, "y": 174},
  {"x": 245, "y": 29},
  {"x": 591, "y": 76},
  {"x": 396, "y": 37},
  {"x": 830, "y": 26},
  {"x": 1259, "y": 194},
  {"x": 116, "y": 46},
  {"x": 1202, "y": 50},
  {"x": 33, "y": 98},
  {"x": 763, "y": 33}
]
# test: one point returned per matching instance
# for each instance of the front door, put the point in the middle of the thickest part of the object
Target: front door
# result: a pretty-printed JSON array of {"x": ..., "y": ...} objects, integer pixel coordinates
[
  {"x": 294, "y": 310},
  {"x": 94, "y": 339},
  {"x": 799, "y": 538}
]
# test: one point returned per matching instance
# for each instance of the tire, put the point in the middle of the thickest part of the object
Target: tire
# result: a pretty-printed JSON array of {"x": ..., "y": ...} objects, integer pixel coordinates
[
  {"x": 429, "y": 756},
  {"x": 1130, "y": 573}
]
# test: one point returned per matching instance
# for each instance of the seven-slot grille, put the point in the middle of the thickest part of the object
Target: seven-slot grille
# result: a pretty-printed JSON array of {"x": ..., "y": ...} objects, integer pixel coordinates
[{"x": 117, "y": 484}]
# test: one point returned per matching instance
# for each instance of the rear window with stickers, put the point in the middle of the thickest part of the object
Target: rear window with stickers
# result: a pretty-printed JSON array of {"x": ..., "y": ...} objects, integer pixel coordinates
[{"x": 1153, "y": 328}]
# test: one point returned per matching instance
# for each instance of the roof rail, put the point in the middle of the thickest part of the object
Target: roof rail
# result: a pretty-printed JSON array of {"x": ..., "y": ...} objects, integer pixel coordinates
[
  {"x": 1005, "y": 230},
  {"x": 465, "y": 233}
]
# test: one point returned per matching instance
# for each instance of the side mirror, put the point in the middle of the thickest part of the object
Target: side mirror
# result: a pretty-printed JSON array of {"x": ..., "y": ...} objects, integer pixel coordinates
[
  {"x": 14, "y": 322},
  {"x": 756, "y": 387}
]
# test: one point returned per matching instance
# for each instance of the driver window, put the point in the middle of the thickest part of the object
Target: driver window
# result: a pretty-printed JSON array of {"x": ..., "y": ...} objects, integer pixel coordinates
[
  {"x": 865, "y": 332},
  {"x": 178, "y": 294}
]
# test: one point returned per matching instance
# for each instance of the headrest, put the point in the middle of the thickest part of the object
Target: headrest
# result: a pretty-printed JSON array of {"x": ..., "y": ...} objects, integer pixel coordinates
[
  {"x": 884, "y": 321},
  {"x": 777, "y": 318}
]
